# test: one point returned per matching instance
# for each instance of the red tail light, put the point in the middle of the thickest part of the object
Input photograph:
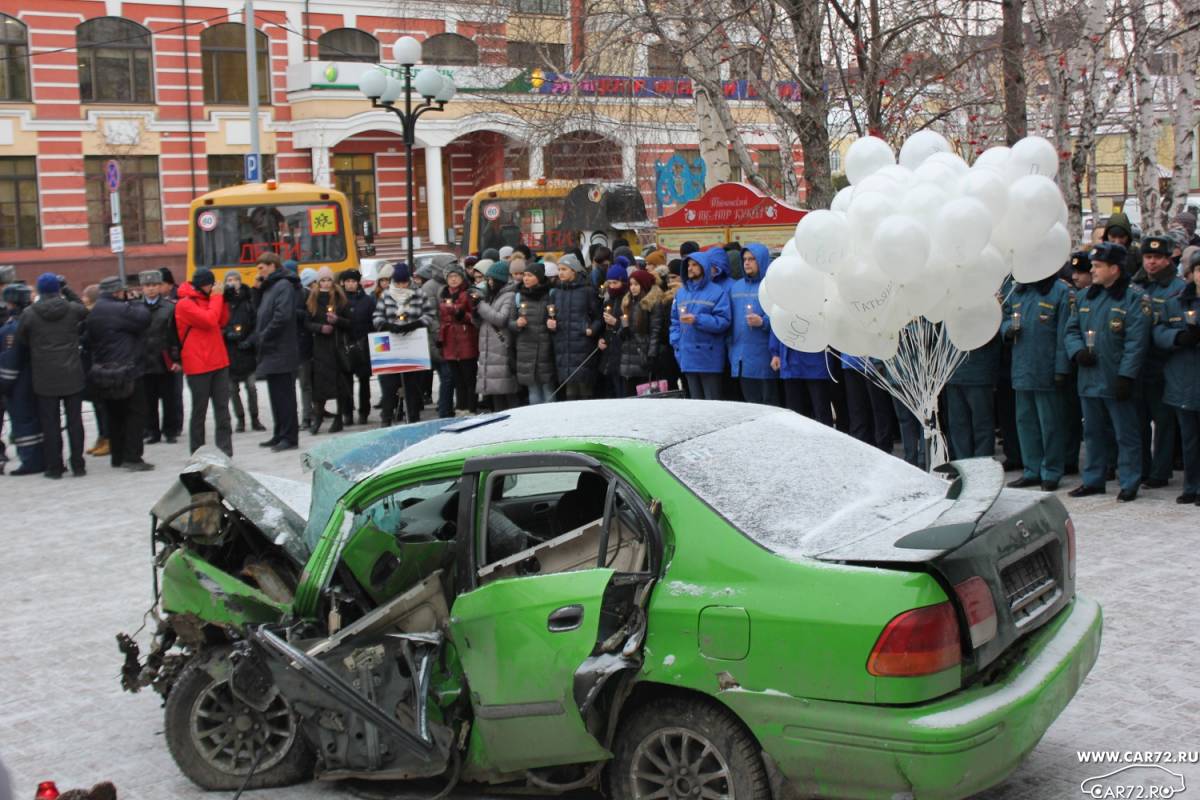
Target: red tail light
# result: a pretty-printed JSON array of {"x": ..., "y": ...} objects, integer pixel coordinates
[
  {"x": 918, "y": 642},
  {"x": 976, "y": 599},
  {"x": 46, "y": 791},
  {"x": 1071, "y": 548}
]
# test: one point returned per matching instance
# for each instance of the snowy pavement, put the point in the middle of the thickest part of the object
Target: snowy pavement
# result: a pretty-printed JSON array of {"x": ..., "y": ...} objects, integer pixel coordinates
[{"x": 76, "y": 570}]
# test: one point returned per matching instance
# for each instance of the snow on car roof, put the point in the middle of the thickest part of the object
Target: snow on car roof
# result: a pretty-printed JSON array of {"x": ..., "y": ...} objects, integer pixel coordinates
[
  {"x": 801, "y": 489},
  {"x": 657, "y": 422}
]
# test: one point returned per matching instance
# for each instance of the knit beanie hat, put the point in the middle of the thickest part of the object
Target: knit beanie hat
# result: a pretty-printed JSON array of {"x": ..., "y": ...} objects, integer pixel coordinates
[
  {"x": 385, "y": 272},
  {"x": 617, "y": 272},
  {"x": 323, "y": 273},
  {"x": 687, "y": 248},
  {"x": 498, "y": 271},
  {"x": 643, "y": 279},
  {"x": 656, "y": 258},
  {"x": 491, "y": 254},
  {"x": 571, "y": 262},
  {"x": 675, "y": 267},
  {"x": 291, "y": 265},
  {"x": 505, "y": 253},
  {"x": 47, "y": 283},
  {"x": 400, "y": 272},
  {"x": 203, "y": 277},
  {"x": 307, "y": 277}
]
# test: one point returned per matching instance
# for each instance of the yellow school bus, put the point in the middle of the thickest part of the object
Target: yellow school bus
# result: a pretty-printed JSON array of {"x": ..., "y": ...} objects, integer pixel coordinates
[
  {"x": 554, "y": 216},
  {"x": 230, "y": 228}
]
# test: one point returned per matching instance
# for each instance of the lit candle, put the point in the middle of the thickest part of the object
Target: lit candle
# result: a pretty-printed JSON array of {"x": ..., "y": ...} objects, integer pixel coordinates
[
  {"x": 1016, "y": 320},
  {"x": 1191, "y": 316},
  {"x": 237, "y": 328},
  {"x": 328, "y": 309},
  {"x": 608, "y": 309},
  {"x": 1091, "y": 340},
  {"x": 524, "y": 307},
  {"x": 551, "y": 310},
  {"x": 624, "y": 319},
  {"x": 403, "y": 317}
]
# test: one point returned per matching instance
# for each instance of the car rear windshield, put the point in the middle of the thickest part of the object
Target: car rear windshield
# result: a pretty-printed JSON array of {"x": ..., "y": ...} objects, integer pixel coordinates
[{"x": 800, "y": 488}]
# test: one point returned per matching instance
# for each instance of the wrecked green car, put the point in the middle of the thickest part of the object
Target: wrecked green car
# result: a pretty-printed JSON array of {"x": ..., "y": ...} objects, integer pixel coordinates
[{"x": 656, "y": 598}]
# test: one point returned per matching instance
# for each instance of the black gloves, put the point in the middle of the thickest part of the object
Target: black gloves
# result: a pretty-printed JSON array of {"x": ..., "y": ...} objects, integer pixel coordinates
[
  {"x": 1188, "y": 337},
  {"x": 403, "y": 327},
  {"x": 1060, "y": 381},
  {"x": 1086, "y": 358},
  {"x": 1124, "y": 388}
]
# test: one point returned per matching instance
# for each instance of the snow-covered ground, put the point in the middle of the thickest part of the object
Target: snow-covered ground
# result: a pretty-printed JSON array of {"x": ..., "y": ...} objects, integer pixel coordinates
[{"x": 75, "y": 570}]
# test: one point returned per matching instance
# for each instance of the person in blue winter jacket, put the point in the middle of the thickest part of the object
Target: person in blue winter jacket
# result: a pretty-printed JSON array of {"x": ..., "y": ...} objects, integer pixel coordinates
[
  {"x": 700, "y": 319},
  {"x": 749, "y": 341},
  {"x": 806, "y": 380}
]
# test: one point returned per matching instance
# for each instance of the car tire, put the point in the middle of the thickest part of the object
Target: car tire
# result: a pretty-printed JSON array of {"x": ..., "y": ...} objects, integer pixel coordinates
[
  {"x": 192, "y": 720},
  {"x": 715, "y": 743}
]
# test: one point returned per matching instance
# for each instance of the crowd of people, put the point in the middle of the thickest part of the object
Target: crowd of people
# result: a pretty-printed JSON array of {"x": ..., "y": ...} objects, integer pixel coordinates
[{"x": 1103, "y": 353}]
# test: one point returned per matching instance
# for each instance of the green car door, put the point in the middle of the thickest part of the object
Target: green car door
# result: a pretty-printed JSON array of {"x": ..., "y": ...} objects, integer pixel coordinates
[{"x": 520, "y": 641}]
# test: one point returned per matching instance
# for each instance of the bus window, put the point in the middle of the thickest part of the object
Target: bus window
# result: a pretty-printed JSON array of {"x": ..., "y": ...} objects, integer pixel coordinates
[
  {"x": 533, "y": 221},
  {"x": 230, "y": 236}
]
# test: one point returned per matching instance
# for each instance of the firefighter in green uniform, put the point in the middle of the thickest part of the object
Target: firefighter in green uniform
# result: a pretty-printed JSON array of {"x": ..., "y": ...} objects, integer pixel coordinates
[
  {"x": 1108, "y": 337},
  {"x": 1035, "y": 321},
  {"x": 1157, "y": 278},
  {"x": 1177, "y": 333}
]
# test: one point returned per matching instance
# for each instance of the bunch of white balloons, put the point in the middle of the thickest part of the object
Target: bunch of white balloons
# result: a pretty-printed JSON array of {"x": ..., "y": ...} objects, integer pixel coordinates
[{"x": 928, "y": 236}]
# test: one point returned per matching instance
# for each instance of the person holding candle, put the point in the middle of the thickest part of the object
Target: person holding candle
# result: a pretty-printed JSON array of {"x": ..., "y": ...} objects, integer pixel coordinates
[
  {"x": 643, "y": 319},
  {"x": 404, "y": 309},
  {"x": 574, "y": 322},
  {"x": 239, "y": 344},
  {"x": 1035, "y": 322},
  {"x": 362, "y": 315},
  {"x": 1177, "y": 333},
  {"x": 700, "y": 320},
  {"x": 534, "y": 341},
  {"x": 616, "y": 287},
  {"x": 328, "y": 320},
  {"x": 1108, "y": 336},
  {"x": 1159, "y": 280},
  {"x": 749, "y": 341}
]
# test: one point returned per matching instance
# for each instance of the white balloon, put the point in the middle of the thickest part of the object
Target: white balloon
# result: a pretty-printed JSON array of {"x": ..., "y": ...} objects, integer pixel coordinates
[
  {"x": 989, "y": 270},
  {"x": 841, "y": 200},
  {"x": 845, "y": 333},
  {"x": 902, "y": 175},
  {"x": 866, "y": 156},
  {"x": 866, "y": 212},
  {"x": 901, "y": 248},
  {"x": 988, "y": 187},
  {"x": 971, "y": 327},
  {"x": 1033, "y": 155},
  {"x": 994, "y": 157},
  {"x": 919, "y": 296},
  {"x": 764, "y": 293},
  {"x": 823, "y": 240},
  {"x": 806, "y": 333},
  {"x": 938, "y": 174},
  {"x": 952, "y": 160},
  {"x": 884, "y": 345},
  {"x": 865, "y": 292},
  {"x": 920, "y": 146},
  {"x": 1042, "y": 258},
  {"x": 940, "y": 309},
  {"x": 923, "y": 202},
  {"x": 962, "y": 229},
  {"x": 789, "y": 249},
  {"x": 879, "y": 182},
  {"x": 1033, "y": 203},
  {"x": 795, "y": 286}
]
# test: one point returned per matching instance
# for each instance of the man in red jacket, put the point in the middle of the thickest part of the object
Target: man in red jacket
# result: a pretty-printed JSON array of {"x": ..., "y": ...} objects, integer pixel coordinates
[{"x": 201, "y": 316}]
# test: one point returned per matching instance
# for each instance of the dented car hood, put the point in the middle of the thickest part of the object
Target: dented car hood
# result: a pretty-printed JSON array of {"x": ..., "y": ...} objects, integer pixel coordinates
[{"x": 276, "y": 506}]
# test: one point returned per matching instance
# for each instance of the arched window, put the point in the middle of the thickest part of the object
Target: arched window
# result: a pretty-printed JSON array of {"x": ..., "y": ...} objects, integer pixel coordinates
[
  {"x": 114, "y": 61},
  {"x": 348, "y": 44},
  {"x": 223, "y": 51},
  {"x": 14, "y": 59},
  {"x": 449, "y": 50}
]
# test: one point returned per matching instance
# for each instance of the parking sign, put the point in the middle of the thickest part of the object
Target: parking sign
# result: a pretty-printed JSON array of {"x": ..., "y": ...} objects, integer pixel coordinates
[
  {"x": 253, "y": 168},
  {"x": 112, "y": 173}
]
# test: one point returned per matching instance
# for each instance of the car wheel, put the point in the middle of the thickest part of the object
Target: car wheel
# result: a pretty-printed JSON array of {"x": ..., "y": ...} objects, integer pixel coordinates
[
  {"x": 680, "y": 749},
  {"x": 216, "y": 738}
]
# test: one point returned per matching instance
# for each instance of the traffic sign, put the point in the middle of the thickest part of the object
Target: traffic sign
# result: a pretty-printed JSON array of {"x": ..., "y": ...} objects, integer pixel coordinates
[
  {"x": 114, "y": 202},
  {"x": 112, "y": 172},
  {"x": 116, "y": 238},
  {"x": 253, "y": 168}
]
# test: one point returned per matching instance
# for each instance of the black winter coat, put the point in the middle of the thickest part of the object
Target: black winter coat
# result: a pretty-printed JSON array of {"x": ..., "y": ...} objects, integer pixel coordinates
[
  {"x": 610, "y": 358},
  {"x": 116, "y": 333},
  {"x": 50, "y": 328},
  {"x": 239, "y": 334},
  {"x": 330, "y": 360},
  {"x": 642, "y": 336},
  {"x": 159, "y": 340},
  {"x": 535, "y": 343},
  {"x": 362, "y": 312},
  {"x": 275, "y": 331},
  {"x": 577, "y": 311}
]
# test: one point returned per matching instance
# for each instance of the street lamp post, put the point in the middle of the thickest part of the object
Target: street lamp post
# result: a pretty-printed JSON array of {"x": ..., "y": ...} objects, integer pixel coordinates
[{"x": 384, "y": 91}]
